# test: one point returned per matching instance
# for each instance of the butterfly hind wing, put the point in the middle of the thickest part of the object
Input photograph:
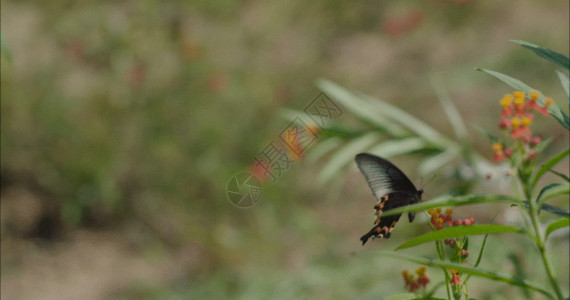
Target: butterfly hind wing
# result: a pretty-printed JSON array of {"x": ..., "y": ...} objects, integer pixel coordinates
[{"x": 384, "y": 225}]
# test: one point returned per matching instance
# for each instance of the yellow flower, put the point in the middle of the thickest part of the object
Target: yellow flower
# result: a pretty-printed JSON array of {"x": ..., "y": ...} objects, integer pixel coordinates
[
  {"x": 534, "y": 95},
  {"x": 449, "y": 211},
  {"x": 518, "y": 94},
  {"x": 519, "y": 102},
  {"x": 526, "y": 121},
  {"x": 438, "y": 210},
  {"x": 497, "y": 147},
  {"x": 421, "y": 271},
  {"x": 516, "y": 122},
  {"x": 506, "y": 100}
]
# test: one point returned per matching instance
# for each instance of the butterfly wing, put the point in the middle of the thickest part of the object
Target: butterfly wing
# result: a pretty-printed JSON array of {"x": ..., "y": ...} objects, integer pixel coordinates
[
  {"x": 384, "y": 225},
  {"x": 382, "y": 176},
  {"x": 392, "y": 189}
]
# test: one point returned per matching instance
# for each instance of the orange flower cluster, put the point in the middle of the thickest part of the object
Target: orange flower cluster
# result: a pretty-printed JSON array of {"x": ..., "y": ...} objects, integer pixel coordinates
[
  {"x": 455, "y": 277},
  {"x": 414, "y": 284},
  {"x": 294, "y": 141},
  {"x": 517, "y": 116},
  {"x": 438, "y": 219}
]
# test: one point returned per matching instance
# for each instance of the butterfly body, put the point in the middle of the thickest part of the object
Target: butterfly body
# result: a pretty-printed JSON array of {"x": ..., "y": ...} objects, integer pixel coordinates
[{"x": 392, "y": 189}]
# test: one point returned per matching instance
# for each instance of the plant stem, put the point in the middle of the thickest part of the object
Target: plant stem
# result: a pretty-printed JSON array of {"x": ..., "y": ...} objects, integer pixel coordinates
[
  {"x": 440, "y": 254},
  {"x": 540, "y": 243}
]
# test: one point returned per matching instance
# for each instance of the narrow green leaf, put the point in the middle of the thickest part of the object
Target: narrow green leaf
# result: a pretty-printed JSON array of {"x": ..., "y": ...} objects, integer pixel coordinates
[
  {"x": 514, "y": 83},
  {"x": 323, "y": 148},
  {"x": 396, "y": 147},
  {"x": 560, "y": 175},
  {"x": 557, "y": 225},
  {"x": 292, "y": 114},
  {"x": 553, "y": 56},
  {"x": 480, "y": 255},
  {"x": 410, "y": 122},
  {"x": 565, "y": 81},
  {"x": 450, "y": 110},
  {"x": 550, "y": 208},
  {"x": 345, "y": 155},
  {"x": 458, "y": 231},
  {"x": 564, "y": 121},
  {"x": 493, "y": 139},
  {"x": 519, "y": 271},
  {"x": 448, "y": 200},
  {"x": 497, "y": 276},
  {"x": 433, "y": 163},
  {"x": 550, "y": 191},
  {"x": 542, "y": 145},
  {"x": 546, "y": 188},
  {"x": 359, "y": 107},
  {"x": 549, "y": 164},
  {"x": 553, "y": 109}
]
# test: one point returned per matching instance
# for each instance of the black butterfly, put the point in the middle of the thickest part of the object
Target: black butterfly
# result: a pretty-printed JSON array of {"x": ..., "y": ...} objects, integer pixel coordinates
[{"x": 392, "y": 189}]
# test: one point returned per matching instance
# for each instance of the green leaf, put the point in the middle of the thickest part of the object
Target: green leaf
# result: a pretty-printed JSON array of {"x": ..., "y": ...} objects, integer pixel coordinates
[
  {"x": 345, "y": 155},
  {"x": 323, "y": 148},
  {"x": 497, "y": 276},
  {"x": 433, "y": 163},
  {"x": 359, "y": 107},
  {"x": 553, "y": 56},
  {"x": 396, "y": 147},
  {"x": 450, "y": 110},
  {"x": 552, "y": 190},
  {"x": 546, "y": 188},
  {"x": 480, "y": 255},
  {"x": 410, "y": 122},
  {"x": 458, "y": 231},
  {"x": 557, "y": 225},
  {"x": 553, "y": 109},
  {"x": 565, "y": 81},
  {"x": 448, "y": 200},
  {"x": 560, "y": 175},
  {"x": 550, "y": 208},
  {"x": 542, "y": 145},
  {"x": 549, "y": 164},
  {"x": 519, "y": 271},
  {"x": 489, "y": 136}
]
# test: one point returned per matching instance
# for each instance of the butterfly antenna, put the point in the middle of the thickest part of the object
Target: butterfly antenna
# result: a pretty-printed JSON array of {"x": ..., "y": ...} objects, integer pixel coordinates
[{"x": 430, "y": 180}]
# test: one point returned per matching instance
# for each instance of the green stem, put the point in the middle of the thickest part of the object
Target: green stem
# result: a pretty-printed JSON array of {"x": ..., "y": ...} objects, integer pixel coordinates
[
  {"x": 542, "y": 249},
  {"x": 440, "y": 255}
]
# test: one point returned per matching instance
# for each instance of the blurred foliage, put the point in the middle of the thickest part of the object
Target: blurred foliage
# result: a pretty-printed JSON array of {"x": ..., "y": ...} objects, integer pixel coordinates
[{"x": 132, "y": 116}]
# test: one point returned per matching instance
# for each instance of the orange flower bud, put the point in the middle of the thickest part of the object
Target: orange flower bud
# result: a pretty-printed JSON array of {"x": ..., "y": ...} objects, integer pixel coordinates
[
  {"x": 497, "y": 147},
  {"x": 548, "y": 101}
]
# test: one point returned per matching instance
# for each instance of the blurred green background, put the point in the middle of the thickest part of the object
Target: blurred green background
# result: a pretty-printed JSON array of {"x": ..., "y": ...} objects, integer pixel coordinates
[{"x": 122, "y": 122}]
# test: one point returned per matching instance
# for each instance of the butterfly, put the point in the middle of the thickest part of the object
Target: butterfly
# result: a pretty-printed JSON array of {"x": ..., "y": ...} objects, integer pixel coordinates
[{"x": 392, "y": 189}]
